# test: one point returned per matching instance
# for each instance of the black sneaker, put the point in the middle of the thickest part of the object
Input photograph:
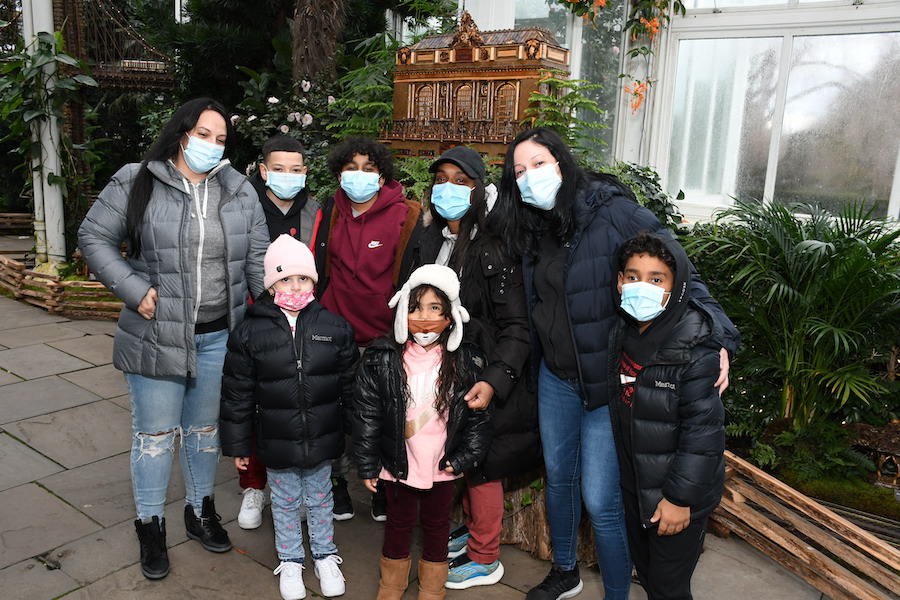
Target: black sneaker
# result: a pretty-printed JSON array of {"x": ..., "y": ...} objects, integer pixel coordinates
[
  {"x": 343, "y": 507},
  {"x": 557, "y": 585},
  {"x": 379, "y": 504},
  {"x": 154, "y": 556},
  {"x": 206, "y": 528}
]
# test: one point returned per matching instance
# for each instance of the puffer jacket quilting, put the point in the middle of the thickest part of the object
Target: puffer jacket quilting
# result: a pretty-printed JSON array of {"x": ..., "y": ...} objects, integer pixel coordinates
[
  {"x": 164, "y": 346},
  {"x": 379, "y": 415},
  {"x": 678, "y": 422},
  {"x": 299, "y": 413}
]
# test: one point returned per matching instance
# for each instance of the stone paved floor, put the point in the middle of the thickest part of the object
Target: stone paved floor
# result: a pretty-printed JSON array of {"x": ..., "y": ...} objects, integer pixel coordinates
[{"x": 66, "y": 509}]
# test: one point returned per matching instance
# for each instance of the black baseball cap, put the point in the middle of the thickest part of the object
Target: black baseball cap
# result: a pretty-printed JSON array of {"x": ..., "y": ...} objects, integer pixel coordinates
[{"x": 468, "y": 160}]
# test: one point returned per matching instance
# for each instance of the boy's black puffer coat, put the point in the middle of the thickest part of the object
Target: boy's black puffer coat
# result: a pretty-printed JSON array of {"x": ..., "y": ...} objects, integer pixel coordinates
[
  {"x": 678, "y": 423},
  {"x": 379, "y": 416},
  {"x": 293, "y": 393}
]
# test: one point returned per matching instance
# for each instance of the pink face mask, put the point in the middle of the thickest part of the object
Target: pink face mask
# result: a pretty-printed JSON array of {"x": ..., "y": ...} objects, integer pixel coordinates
[{"x": 294, "y": 302}]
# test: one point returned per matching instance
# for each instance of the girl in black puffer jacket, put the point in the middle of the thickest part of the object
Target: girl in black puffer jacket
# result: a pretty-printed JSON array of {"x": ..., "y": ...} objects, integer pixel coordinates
[
  {"x": 413, "y": 428},
  {"x": 287, "y": 385}
]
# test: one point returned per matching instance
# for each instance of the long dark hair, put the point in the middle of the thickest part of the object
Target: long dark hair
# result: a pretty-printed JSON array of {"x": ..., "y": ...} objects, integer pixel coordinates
[
  {"x": 447, "y": 377},
  {"x": 164, "y": 148},
  {"x": 523, "y": 224}
]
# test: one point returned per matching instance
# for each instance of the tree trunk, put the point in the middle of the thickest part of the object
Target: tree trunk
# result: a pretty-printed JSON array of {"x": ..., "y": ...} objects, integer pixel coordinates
[{"x": 317, "y": 26}]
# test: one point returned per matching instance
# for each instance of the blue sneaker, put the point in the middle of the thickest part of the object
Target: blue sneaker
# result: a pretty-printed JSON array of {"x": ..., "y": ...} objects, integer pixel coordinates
[
  {"x": 465, "y": 573},
  {"x": 459, "y": 538}
]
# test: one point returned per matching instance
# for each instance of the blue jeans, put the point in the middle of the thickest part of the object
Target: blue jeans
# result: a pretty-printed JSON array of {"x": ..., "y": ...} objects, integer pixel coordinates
[
  {"x": 311, "y": 488},
  {"x": 163, "y": 408},
  {"x": 580, "y": 456}
]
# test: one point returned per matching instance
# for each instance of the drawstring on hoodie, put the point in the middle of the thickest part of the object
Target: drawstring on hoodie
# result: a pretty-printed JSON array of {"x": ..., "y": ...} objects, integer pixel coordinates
[{"x": 193, "y": 190}]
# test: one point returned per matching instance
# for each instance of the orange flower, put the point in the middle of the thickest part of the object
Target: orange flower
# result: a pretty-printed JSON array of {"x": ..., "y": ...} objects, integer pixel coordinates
[
  {"x": 599, "y": 4},
  {"x": 651, "y": 26},
  {"x": 638, "y": 93}
]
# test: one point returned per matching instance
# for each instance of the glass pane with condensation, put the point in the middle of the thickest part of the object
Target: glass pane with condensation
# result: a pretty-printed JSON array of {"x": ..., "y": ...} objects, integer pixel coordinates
[
  {"x": 601, "y": 59},
  {"x": 841, "y": 133},
  {"x": 722, "y": 118}
]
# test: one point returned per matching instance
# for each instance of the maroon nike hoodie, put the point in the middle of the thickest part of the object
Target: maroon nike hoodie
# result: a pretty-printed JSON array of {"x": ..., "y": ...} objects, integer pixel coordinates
[{"x": 362, "y": 251}]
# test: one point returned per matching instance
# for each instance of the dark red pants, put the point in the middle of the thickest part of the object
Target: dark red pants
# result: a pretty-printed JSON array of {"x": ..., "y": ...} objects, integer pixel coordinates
[
  {"x": 433, "y": 509},
  {"x": 255, "y": 475}
]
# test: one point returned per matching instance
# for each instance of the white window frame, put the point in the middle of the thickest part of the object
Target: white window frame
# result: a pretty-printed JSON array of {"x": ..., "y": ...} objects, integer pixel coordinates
[{"x": 785, "y": 21}]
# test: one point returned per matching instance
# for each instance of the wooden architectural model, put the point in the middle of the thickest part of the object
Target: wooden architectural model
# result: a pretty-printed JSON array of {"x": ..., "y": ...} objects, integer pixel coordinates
[{"x": 468, "y": 87}]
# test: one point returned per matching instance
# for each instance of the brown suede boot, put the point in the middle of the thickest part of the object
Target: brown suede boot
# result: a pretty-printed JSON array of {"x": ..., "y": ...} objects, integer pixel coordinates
[
  {"x": 432, "y": 577},
  {"x": 394, "y": 578}
]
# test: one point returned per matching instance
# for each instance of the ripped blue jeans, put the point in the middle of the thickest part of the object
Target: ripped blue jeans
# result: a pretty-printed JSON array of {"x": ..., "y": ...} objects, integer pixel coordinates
[{"x": 165, "y": 408}]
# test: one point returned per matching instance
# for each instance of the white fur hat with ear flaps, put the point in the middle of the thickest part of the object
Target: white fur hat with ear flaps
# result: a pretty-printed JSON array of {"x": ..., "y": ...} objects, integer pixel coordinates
[{"x": 442, "y": 278}]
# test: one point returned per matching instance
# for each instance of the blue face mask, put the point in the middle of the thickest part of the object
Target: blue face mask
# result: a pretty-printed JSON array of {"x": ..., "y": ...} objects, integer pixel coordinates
[
  {"x": 539, "y": 186},
  {"x": 201, "y": 156},
  {"x": 360, "y": 186},
  {"x": 643, "y": 301},
  {"x": 451, "y": 200},
  {"x": 285, "y": 185}
]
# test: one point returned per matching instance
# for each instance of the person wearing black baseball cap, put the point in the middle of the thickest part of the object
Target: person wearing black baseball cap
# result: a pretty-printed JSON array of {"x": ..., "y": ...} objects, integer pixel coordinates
[{"x": 462, "y": 236}]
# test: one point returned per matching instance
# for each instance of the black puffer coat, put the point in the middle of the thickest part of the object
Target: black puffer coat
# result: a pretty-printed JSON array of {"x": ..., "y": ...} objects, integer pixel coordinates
[
  {"x": 379, "y": 416},
  {"x": 293, "y": 393},
  {"x": 677, "y": 422},
  {"x": 491, "y": 289}
]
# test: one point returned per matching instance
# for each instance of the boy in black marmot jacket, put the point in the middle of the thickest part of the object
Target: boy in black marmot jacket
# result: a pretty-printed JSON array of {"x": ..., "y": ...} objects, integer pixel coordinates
[
  {"x": 288, "y": 380},
  {"x": 668, "y": 421}
]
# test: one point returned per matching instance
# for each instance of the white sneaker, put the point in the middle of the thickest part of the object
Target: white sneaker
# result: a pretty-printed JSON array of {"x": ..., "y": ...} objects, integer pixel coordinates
[
  {"x": 331, "y": 580},
  {"x": 291, "y": 583},
  {"x": 252, "y": 506}
]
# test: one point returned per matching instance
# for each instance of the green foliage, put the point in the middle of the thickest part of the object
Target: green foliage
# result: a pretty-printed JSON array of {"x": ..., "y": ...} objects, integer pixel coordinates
[
  {"x": 820, "y": 450},
  {"x": 366, "y": 105},
  {"x": 37, "y": 83},
  {"x": 816, "y": 297},
  {"x": 413, "y": 173},
  {"x": 558, "y": 104},
  {"x": 644, "y": 182},
  {"x": 303, "y": 112}
]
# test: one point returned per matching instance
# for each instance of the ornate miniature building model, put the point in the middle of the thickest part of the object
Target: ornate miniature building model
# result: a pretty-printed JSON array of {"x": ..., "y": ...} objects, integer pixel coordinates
[{"x": 468, "y": 87}]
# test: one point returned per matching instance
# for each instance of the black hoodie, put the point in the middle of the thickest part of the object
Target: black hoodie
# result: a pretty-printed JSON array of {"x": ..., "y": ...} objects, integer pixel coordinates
[{"x": 301, "y": 219}]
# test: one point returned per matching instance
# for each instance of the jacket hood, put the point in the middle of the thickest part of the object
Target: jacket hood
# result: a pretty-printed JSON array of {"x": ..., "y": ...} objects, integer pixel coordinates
[{"x": 642, "y": 346}]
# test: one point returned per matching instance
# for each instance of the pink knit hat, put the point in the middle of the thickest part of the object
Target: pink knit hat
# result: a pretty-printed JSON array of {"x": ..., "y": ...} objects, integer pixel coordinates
[{"x": 287, "y": 256}]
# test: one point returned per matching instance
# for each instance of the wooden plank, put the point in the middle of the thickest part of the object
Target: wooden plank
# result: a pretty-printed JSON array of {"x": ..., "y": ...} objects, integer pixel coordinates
[
  {"x": 831, "y": 572},
  {"x": 91, "y": 304},
  {"x": 863, "y": 540},
  {"x": 780, "y": 555},
  {"x": 825, "y": 539}
]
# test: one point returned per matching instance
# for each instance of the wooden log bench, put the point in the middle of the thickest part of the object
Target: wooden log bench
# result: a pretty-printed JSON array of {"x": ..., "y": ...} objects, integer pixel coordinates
[{"x": 827, "y": 551}]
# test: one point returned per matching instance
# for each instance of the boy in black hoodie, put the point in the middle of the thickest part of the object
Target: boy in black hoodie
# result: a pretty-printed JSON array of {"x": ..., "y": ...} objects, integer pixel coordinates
[
  {"x": 283, "y": 193},
  {"x": 668, "y": 420}
]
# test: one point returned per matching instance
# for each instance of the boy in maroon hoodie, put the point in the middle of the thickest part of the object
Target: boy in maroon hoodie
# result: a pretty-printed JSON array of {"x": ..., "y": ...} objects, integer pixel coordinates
[{"x": 365, "y": 249}]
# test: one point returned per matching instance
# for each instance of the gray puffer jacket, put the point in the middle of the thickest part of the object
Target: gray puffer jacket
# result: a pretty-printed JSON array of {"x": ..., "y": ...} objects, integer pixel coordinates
[{"x": 164, "y": 346}]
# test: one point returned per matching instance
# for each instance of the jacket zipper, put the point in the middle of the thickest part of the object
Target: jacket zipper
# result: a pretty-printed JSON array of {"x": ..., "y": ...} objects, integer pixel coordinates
[{"x": 298, "y": 359}]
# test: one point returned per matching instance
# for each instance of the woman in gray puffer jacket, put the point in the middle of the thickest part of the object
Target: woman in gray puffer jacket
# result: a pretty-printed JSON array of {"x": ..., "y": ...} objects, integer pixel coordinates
[{"x": 196, "y": 236}]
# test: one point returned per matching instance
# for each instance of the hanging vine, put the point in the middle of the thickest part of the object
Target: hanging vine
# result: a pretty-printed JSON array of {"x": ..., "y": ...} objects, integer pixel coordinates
[{"x": 645, "y": 20}]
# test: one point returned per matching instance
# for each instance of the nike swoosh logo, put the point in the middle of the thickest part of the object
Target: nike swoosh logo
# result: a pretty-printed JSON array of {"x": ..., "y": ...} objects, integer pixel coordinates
[{"x": 375, "y": 244}]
